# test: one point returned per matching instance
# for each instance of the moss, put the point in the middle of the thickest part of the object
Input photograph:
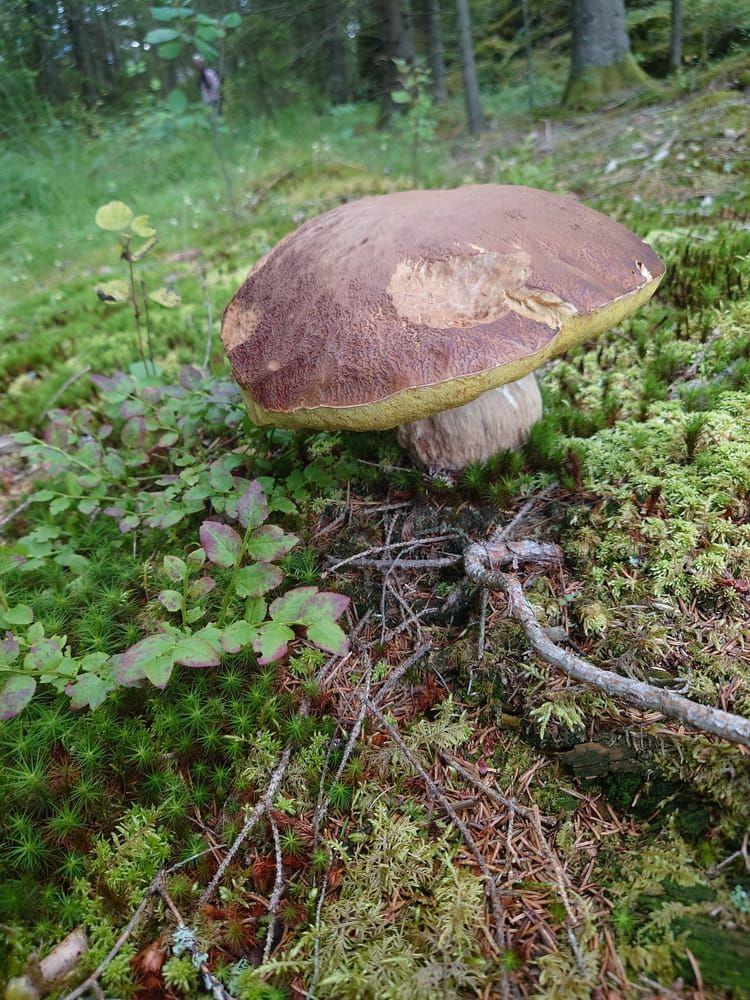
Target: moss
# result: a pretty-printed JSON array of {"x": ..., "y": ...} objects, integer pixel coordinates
[{"x": 597, "y": 84}]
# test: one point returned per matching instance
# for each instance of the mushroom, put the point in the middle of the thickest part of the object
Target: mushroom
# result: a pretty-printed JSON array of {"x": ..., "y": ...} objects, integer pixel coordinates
[{"x": 428, "y": 311}]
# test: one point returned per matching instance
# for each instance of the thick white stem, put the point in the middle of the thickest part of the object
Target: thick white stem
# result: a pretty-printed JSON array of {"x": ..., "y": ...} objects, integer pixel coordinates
[{"x": 496, "y": 420}]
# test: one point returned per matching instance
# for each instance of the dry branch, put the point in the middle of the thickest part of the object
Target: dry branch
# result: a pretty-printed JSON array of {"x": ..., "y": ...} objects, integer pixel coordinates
[{"x": 477, "y": 563}]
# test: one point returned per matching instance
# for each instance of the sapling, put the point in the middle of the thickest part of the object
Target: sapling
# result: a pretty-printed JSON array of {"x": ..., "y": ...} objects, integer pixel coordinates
[
  {"x": 118, "y": 217},
  {"x": 414, "y": 96}
]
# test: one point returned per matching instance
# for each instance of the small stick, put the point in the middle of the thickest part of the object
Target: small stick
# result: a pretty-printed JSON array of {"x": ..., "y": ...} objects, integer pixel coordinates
[
  {"x": 259, "y": 809},
  {"x": 388, "y": 564},
  {"x": 278, "y": 885},
  {"x": 388, "y": 547}
]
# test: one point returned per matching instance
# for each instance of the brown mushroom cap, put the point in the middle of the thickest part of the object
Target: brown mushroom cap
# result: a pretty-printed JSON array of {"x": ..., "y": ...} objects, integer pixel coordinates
[{"x": 392, "y": 308}]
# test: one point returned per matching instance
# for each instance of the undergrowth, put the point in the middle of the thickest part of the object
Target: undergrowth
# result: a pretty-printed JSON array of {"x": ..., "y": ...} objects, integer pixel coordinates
[{"x": 645, "y": 439}]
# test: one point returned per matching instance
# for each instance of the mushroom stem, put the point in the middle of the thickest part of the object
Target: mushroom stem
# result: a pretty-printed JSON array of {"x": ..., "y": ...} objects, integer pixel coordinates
[{"x": 498, "y": 419}]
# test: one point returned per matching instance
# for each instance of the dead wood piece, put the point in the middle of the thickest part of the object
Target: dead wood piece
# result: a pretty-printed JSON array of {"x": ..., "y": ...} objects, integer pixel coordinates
[
  {"x": 731, "y": 727},
  {"x": 43, "y": 976},
  {"x": 504, "y": 553}
]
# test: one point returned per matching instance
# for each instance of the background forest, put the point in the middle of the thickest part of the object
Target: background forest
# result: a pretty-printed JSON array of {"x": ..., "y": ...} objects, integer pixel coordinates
[{"x": 260, "y": 736}]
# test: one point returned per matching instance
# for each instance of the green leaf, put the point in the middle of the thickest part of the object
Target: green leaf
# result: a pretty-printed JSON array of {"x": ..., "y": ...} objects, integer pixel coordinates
[
  {"x": 400, "y": 97},
  {"x": 290, "y": 607},
  {"x": 114, "y": 216},
  {"x": 329, "y": 636},
  {"x": 177, "y": 101},
  {"x": 255, "y": 610},
  {"x": 165, "y": 297},
  {"x": 174, "y": 568},
  {"x": 208, "y": 32},
  {"x": 194, "y": 615},
  {"x": 171, "y": 599},
  {"x": 237, "y": 635},
  {"x": 170, "y": 13},
  {"x": 140, "y": 224},
  {"x": 256, "y": 580},
  {"x": 232, "y": 20},
  {"x": 15, "y": 694},
  {"x": 324, "y": 604},
  {"x": 159, "y": 671},
  {"x": 252, "y": 508},
  {"x": 20, "y": 614},
  {"x": 161, "y": 35},
  {"x": 59, "y": 504},
  {"x": 200, "y": 587},
  {"x": 270, "y": 543},
  {"x": 206, "y": 50},
  {"x": 133, "y": 664},
  {"x": 41, "y": 496},
  {"x": 171, "y": 50},
  {"x": 272, "y": 642},
  {"x": 220, "y": 542},
  {"x": 195, "y": 652},
  {"x": 88, "y": 691},
  {"x": 113, "y": 291},
  {"x": 44, "y": 655}
]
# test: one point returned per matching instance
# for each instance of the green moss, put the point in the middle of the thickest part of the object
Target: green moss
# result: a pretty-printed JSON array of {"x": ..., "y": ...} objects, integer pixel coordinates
[{"x": 597, "y": 84}]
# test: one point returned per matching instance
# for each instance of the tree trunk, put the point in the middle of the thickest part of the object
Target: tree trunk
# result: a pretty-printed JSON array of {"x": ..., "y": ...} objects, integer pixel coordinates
[
  {"x": 527, "y": 47},
  {"x": 399, "y": 44},
  {"x": 675, "y": 39},
  {"x": 43, "y": 59},
  {"x": 75, "y": 25},
  {"x": 469, "y": 69},
  {"x": 436, "y": 50},
  {"x": 601, "y": 61},
  {"x": 337, "y": 80}
]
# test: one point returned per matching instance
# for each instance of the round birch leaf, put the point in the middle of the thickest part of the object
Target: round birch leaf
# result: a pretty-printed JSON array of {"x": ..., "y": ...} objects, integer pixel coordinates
[
  {"x": 113, "y": 291},
  {"x": 165, "y": 297},
  {"x": 114, "y": 216},
  {"x": 141, "y": 227}
]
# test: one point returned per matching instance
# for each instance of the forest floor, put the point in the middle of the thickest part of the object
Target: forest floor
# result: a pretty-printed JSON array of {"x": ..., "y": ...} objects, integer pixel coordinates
[{"x": 618, "y": 839}]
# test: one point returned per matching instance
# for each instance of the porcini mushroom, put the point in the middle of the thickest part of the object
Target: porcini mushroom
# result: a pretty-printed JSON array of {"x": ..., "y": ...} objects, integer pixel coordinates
[{"x": 427, "y": 311}]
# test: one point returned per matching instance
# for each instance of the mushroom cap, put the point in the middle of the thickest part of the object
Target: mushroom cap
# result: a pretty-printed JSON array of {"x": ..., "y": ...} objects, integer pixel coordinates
[{"x": 395, "y": 307}]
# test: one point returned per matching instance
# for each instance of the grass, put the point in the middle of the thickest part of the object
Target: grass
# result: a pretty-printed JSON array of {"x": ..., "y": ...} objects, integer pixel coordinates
[{"x": 651, "y": 511}]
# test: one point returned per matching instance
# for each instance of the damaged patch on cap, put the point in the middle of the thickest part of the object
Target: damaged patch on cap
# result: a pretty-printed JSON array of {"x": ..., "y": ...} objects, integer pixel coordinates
[
  {"x": 239, "y": 323},
  {"x": 473, "y": 287}
]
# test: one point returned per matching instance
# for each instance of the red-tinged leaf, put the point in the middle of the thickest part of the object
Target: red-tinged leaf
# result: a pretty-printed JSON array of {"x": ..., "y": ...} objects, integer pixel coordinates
[
  {"x": 200, "y": 587},
  {"x": 171, "y": 599},
  {"x": 196, "y": 652},
  {"x": 15, "y": 694},
  {"x": 290, "y": 606},
  {"x": 325, "y": 604},
  {"x": 43, "y": 656},
  {"x": 270, "y": 543},
  {"x": 89, "y": 691},
  {"x": 237, "y": 635},
  {"x": 9, "y": 649},
  {"x": 220, "y": 542},
  {"x": 256, "y": 580},
  {"x": 272, "y": 642},
  {"x": 329, "y": 636},
  {"x": 252, "y": 507},
  {"x": 131, "y": 666},
  {"x": 174, "y": 568}
]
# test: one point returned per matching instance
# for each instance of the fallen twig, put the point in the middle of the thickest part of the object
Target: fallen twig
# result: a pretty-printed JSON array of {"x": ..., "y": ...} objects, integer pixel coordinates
[
  {"x": 388, "y": 547},
  {"x": 711, "y": 720},
  {"x": 278, "y": 885}
]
